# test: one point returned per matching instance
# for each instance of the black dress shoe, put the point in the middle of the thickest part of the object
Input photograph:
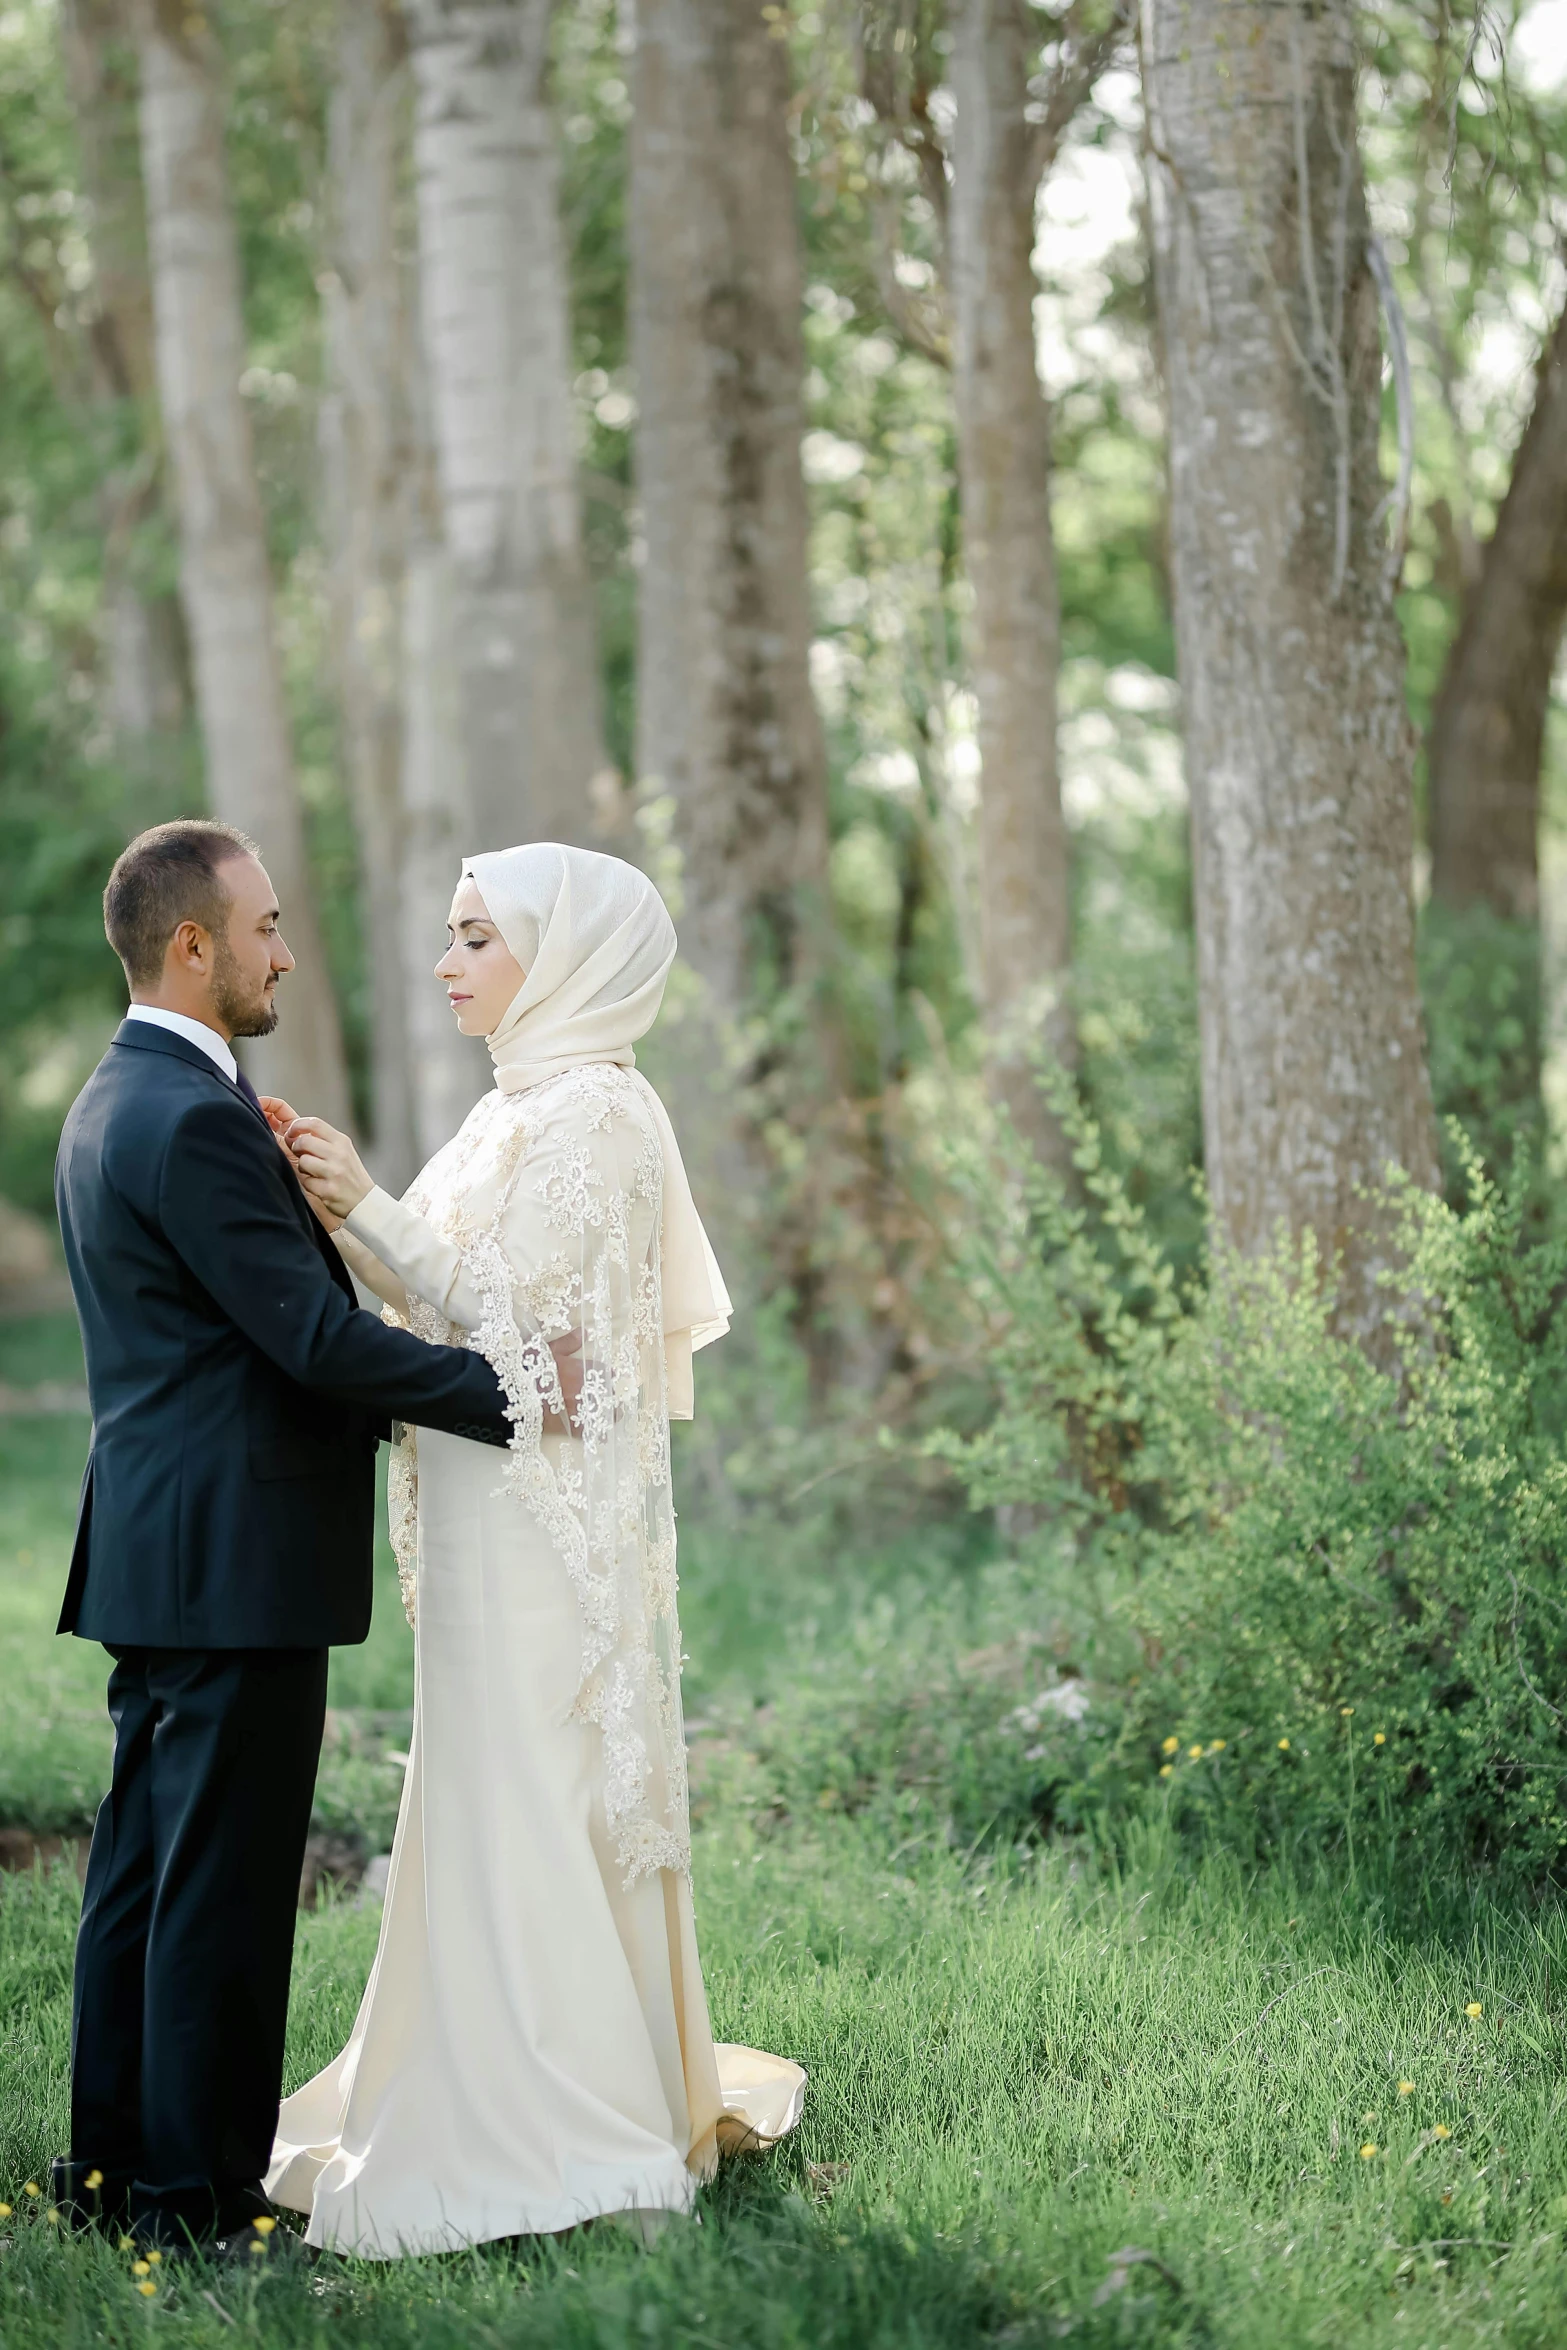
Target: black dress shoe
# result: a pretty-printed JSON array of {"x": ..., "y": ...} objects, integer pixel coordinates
[
  {"x": 198, "y": 2220},
  {"x": 87, "y": 2197}
]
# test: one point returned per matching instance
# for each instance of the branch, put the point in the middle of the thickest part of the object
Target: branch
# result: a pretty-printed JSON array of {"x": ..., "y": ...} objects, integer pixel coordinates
[
  {"x": 1072, "y": 81},
  {"x": 922, "y": 325},
  {"x": 900, "y": 100}
]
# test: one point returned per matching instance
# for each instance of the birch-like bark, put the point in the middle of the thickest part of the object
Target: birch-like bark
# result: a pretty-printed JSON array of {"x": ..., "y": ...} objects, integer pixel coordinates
[
  {"x": 365, "y": 459},
  {"x": 1009, "y": 553},
  {"x": 726, "y": 722},
  {"x": 143, "y": 649},
  {"x": 225, "y": 583},
  {"x": 1299, "y": 754},
  {"x": 449, "y": 1071},
  {"x": 1488, "y": 728},
  {"x": 493, "y": 282}
]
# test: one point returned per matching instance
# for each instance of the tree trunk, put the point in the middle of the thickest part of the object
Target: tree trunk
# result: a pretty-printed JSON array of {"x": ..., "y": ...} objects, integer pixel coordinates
[
  {"x": 365, "y": 458},
  {"x": 450, "y": 1071},
  {"x": 143, "y": 650},
  {"x": 726, "y": 722},
  {"x": 1488, "y": 727},
  {"x": 493, "y": 281},
  {"x": 225, "y": 582},
  {"x": 1298, "y": 749},
  {"x": 1004, "y": 482}
]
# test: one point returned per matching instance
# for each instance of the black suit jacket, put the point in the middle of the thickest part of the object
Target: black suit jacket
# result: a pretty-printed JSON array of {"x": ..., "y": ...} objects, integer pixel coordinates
[{"x": 237, "y": 1388}]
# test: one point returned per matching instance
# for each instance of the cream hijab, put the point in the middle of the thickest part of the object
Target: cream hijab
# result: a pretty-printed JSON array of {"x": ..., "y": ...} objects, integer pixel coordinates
[{"x": 596, "y": 942}]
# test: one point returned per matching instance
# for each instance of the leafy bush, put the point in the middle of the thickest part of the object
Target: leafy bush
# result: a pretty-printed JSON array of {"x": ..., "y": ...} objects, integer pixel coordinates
[
  {"x": 1337, "y": 1604},
  {"x": 1481, "y": 982},
  {"x": 943, "y": 1716}
]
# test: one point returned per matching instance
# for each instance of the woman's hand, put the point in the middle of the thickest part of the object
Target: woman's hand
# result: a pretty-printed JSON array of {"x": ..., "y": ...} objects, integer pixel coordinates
[
  {"x": 329, "y": 1167},
  {"x": 280, "y": 1116}
]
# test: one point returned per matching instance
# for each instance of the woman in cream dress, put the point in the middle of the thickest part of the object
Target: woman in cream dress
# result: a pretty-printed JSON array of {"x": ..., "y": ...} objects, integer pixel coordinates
[{"x": 533, "y": 2047}]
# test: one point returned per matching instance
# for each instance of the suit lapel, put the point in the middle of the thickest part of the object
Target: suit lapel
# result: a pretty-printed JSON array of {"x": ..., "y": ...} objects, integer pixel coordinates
[{"x": 145, "y": 1036}]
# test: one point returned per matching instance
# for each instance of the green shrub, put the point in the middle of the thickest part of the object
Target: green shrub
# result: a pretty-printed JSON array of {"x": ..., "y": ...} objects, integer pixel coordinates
[
  {"x": 1481, "y": 983},
  {"x": 1336, "y": 1607}
]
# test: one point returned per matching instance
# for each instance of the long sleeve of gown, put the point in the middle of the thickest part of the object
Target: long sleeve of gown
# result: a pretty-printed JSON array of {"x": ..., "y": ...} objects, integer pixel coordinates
[{"x": 398, "y": 1239}]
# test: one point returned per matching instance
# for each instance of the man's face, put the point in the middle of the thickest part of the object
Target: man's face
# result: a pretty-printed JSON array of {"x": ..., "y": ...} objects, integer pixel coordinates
[{"x": 250, "y": 960}]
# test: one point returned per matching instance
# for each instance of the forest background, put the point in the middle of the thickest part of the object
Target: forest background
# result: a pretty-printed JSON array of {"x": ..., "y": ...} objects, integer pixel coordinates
[{"x": 784, "y": 446}]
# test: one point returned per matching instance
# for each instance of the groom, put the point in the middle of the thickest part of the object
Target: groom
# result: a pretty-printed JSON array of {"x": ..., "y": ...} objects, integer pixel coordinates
[{"x": 224, "y": 1544}]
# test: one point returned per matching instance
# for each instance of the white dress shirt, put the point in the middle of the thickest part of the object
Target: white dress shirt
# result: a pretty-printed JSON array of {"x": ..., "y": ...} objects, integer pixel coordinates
[{"x": 193, "y": 1031}]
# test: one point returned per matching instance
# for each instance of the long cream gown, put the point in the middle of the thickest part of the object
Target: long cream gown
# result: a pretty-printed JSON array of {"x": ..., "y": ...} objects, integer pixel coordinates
[{"x": 533, "y": 2047}]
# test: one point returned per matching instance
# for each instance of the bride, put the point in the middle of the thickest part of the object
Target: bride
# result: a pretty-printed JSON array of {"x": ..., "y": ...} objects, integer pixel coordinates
[{"x": 533, "y": 2047}]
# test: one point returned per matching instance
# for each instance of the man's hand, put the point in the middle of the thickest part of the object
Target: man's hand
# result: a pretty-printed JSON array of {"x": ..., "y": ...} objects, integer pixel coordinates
[
  {"x": 568, "y": 1369},
  {"x": 567, "y": 1351},
  {"x": 328, "y": 1166}
]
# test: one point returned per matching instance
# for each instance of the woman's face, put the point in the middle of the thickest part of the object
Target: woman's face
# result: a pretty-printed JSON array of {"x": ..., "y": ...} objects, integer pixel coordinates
[{"x": 482, "y": 974}]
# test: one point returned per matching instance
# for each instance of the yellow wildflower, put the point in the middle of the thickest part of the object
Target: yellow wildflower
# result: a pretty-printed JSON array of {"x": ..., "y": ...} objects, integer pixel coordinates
[
  {"x": 53, "y": 2215},
  {"x": 1217, "y": 1745},
  {"x": 1346, "y": 1711},
  {"x": 264, "y": 2227},
  {"x": 1169, "y": 1746},
  {"x": 31, "y": 2187},
  {"x": 154, "y": 2258},
  {"x": 93, "y": 2179},
  {"x": 1284, "y": 1746},
  {"x": 147, "y": 2286},
  {"x": 1367, "y": 2151},
  {"x": 141, "y": 2268},
  {"x": 1474, "y": 2008},
  {"x": 127, "y": 2244},
  {"x": 1165, "y": 1769},
  {"x": 260, "y": 2246},
  {"x": 1194, "y": 1753},
  {"x": 5, "y": 2210},
  {"x": 1406, "y": 2088},
  {"x": 1379, "y": 1738},
  {"x": 1440, "y": 2130}
]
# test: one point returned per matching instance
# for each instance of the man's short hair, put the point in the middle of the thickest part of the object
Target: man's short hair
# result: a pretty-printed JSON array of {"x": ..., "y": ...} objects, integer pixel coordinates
[{"x": 168, "y": 876}]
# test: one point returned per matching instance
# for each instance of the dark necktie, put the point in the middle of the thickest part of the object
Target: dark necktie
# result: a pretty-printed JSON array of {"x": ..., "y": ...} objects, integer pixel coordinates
[{"x": 248, "y": 1090}]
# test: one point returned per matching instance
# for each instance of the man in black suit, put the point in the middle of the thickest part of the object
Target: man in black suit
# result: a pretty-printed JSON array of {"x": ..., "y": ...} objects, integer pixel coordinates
[{"x": 224, "y": 1543}]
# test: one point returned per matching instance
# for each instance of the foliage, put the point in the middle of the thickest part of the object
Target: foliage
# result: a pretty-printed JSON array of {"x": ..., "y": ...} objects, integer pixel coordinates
[
  {"x": 1480, "y": 978},
  {"x": 1343, "y": 1578}
]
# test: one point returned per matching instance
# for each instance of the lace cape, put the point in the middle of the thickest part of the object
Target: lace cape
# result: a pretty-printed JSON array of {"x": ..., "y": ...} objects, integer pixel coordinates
[{"x": 552, "y": 1200}]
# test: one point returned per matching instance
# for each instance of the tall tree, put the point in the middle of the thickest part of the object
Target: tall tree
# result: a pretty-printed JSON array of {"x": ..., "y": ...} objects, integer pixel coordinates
[
  {"x": 144, "y": 680},
  {"x": 449, "y": 1071},
  {"x": 1299, "y": 753},
  {"x": 1004, "y": 140},
  {"x": 1487, "y": 733},
  {"x": 982, "y": 177},
  {"x": 225, "y": 582},
  {"x": 493, "y": 289},
  {"x": 365, "y": 463},
  {"x": 726, "y": 722}
]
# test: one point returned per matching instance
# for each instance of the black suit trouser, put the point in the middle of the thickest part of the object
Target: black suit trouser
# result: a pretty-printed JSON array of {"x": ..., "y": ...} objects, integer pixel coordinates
[{"x": 187, "y": 1932}]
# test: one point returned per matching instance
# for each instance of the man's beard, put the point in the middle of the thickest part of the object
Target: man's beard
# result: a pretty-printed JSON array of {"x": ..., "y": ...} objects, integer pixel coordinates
[{"x": 241, "y": 1012}]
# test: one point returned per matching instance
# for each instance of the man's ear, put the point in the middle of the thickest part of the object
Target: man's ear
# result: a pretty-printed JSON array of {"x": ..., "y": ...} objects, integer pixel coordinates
[{"x": 190, "y": 945}]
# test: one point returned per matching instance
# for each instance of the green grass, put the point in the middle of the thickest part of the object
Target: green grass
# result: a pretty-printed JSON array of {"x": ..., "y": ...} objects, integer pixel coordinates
[
  {"x": 1021, "y": 2073},
  {"x": 1022, "y": 2066}
]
